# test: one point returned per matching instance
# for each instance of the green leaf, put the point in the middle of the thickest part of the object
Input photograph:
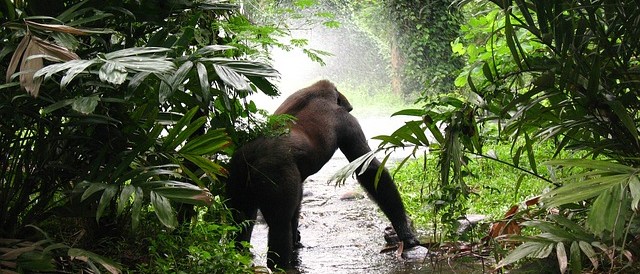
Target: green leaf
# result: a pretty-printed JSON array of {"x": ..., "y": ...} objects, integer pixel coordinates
[
  {"x": 210, "y": 167},
  {"x": 163, "y": 209},
  {"x": 389, "y": 139},
  {"x": 31, "y": 262},
  {"x": 85, "y": 105},
  {"x": 172, "y": 140},
  {"x": 363, "y": 161},
  {"x": 231, "y": 78},
  {"x": 435, "y": 131},
  {"x": 410, "y": 112},
  {"x": 511, "y": 39},
  {"x": 108, "y": 264},
  {"x": 78, "y": 67},
  {"x": 152, "y": 64},
  {"x": 622, "y": 113},
  {"x": 580, "y": 191},
  {"x": 264, "y": 85},
  {"x": 125, "y": 196},
  {"x": 593, "y": 164},
  {"x": 634, "y": 189},
  {"x": 171, "y": 84},
  {"x": 52, "y": 69},
  {"x": 136, "y": 209},
  {"x": 105, "y": 200},
  {"x": 486, "y": 70},
  {"x": 185, "y": 193},
  {"x": 243, "y": 67},
  {"x": 414, "y": 126},
  {"x": 207, "y": 144},
  {"x": 137, "y": 79},
  {"x": 181, "y": 74},
  {"x": 604, "y": 213},
  {"x": 54, "y": 246},
  {"x": 135, "y": 51},
  {"x": 213, "y": 49},
  {"x": 591, "y": 254},
  {"x": 524, "y": 250},
  {"x": 380, "y": 170},
  {"x": 576, "y": 259},
  {"x": 93, "y": 188},
  {"x": 112, "y": 72},
  {"x": 203, "y": 76},
  {"x": 532, "y": 157},
  {"x": 187, "y": 132},
  {"x": 57, "y": 105},
  {"x": 559, "y": 233},
  {"x": 577, "y": 231}
]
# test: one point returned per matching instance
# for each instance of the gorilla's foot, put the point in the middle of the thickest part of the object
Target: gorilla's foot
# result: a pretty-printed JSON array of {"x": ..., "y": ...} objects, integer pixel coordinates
[
  {"x": 392, "y": 238},
  {"x": 411, "y": 242}
]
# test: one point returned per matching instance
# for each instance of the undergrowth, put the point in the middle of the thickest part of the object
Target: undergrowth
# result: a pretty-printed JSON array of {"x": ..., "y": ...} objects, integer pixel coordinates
[
  {"x": 203, "y": 247},
  {"x": 495, "y": 187}
]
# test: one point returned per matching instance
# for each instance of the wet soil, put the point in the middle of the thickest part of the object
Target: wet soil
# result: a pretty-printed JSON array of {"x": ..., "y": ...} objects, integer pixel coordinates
[{"x": 342, "y": 229}]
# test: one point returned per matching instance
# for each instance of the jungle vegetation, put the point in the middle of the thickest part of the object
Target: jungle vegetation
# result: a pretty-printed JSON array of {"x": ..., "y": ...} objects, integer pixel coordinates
[{"x": 118, "y": 118}]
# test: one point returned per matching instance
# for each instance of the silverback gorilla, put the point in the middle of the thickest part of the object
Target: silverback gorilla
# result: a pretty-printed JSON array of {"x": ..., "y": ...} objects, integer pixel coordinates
[{"x": 267, "y": 173}]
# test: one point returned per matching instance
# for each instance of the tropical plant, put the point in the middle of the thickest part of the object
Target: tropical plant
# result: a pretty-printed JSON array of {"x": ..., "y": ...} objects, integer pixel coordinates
[
  {"x": 22, "y": 256},
  {"x": 129, "y": 107},
  {"x": 566, "y": 72}
]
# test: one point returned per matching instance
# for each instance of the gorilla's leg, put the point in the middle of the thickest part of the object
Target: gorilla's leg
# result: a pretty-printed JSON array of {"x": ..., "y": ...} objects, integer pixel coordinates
[
  {"x": 280, "y": 245},
  {"x": 244, "y": 210},
  {"x": 295, "y": 222},
  {"x": 279, "y": 218},
  {"x": 279, "y": 202}
]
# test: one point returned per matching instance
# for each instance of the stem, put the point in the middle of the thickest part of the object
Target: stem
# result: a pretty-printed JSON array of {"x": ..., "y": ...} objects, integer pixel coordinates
[{"x": 516, "y": 167}]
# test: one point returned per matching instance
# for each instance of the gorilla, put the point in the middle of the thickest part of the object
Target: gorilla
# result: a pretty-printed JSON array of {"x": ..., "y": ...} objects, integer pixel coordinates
[{"x": 268, "y": 172}]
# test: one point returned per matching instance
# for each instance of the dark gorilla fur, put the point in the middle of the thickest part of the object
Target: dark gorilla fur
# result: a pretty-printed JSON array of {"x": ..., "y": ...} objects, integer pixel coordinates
[{"x": 268, "y": 173}]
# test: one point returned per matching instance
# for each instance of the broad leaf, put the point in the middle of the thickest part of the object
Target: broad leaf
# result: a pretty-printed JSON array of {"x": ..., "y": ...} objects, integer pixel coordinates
[
  {"x": 163, "y": 210},
  {"x": 85, "y": 105},
  {"x": 527, "y": 249},
  {"x": 113, "y": 72},
  {"x": 85, "y": 255}
]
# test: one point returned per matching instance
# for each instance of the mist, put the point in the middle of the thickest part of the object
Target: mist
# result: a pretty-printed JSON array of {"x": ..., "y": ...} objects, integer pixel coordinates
[{"x": 355, "y": 62}]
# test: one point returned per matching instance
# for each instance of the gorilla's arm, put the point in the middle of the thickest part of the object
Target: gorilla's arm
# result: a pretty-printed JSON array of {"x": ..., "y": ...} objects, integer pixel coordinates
[{"x": 353, "y": 144}]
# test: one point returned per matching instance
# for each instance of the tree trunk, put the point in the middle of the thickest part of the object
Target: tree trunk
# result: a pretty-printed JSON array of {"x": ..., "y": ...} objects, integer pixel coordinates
[{"x": 397, "y": 64}]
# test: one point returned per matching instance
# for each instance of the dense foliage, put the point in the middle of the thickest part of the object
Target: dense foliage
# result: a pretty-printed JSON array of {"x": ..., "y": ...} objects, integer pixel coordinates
[
  {"x": 119, "y": 115},
  {"x": 563, "y": 72},
  {"x": 115, "y": 111},
  {"x": 420, "y": 47}
]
